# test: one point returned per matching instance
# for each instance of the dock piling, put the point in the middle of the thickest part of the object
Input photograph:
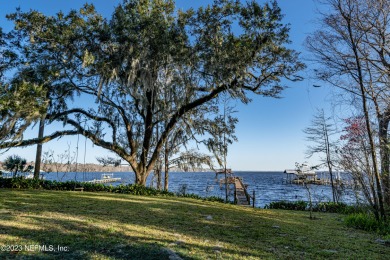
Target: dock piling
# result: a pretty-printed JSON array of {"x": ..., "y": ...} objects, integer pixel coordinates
[{"x": 254, "y": 198}]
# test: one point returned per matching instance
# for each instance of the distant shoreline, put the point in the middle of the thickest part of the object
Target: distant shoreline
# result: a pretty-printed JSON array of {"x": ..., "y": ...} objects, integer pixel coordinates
[{"x": 209, "y": 171}]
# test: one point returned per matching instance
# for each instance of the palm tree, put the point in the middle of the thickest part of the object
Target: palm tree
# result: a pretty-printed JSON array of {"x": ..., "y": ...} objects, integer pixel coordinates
[{"x": 15, "y": 163}]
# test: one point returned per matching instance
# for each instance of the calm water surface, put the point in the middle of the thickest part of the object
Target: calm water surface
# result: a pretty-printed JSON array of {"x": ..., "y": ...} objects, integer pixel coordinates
[{"x": 269, "y": 186}]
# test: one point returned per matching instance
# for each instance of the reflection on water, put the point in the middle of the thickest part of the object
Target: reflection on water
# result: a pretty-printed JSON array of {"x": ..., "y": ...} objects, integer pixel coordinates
[{"x": 268, "y": 186}]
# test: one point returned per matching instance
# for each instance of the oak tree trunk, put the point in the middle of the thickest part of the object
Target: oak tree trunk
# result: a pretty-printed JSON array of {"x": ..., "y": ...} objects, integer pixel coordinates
[
  {"x": 166, "y": 166},
  {"x": 38, "y": 158},
  {"x": 385, "y": 157}
]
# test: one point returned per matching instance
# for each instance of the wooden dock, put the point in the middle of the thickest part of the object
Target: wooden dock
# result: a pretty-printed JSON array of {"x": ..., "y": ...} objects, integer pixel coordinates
[
  {"x": 294, "y": 177},
  {"x": 106, "y": 178},
  {"x": 241, "y": 195},
  {"x": 229, "y": 180}
]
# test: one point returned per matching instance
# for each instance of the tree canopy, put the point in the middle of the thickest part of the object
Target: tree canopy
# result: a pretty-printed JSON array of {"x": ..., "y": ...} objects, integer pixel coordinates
[{"x": 151, "y": 67}]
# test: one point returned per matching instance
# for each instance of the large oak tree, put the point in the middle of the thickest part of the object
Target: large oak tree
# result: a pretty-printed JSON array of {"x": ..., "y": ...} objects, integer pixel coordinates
[{"x": 151, "y": 66}]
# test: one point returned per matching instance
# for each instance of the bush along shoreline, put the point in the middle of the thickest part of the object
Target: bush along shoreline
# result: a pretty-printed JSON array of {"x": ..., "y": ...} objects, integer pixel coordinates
[
  {"x": 358, "y": 217},
  {"x": 328, "y": 207},
  {"x": 133, "y": 189}
]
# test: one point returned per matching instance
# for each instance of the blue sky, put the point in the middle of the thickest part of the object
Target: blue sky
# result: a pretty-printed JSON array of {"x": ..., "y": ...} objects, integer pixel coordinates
[{"x": 269, "y": 131}]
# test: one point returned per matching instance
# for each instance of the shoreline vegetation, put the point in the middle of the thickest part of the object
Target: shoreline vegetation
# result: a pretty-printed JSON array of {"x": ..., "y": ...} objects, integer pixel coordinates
[
  {"x": 135, "y": 189},
  {"x": 92, "y": 167},
  {"x": 106, "y": 225}
]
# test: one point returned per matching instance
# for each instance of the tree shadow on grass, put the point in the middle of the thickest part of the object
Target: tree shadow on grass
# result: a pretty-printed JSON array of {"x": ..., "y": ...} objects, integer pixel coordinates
[
  {"x": 96, "y": 225},
  {"x": 50, "y": 210},
  {"x": 89, "y": 241},
  {"x": 84, "y": 249}
]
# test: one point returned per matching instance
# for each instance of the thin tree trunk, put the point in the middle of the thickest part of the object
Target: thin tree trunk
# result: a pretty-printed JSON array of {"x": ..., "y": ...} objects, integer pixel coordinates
[
  {"x": 159, "y": 184},
  {"x": 38, "y": 158},
  {"x": 158, "y": 165},
  {"x": 166, "y": 165},
  {"x": 328, "y": 160},
  {"x": 366, "y": 116},
  {"x": 310, "y": 200},
  {"x": 332, "y": 183},
  {"x": 370, "y": 193},
  {"x": 385, "y": 156},
  {"x": 373, "y": 155}
]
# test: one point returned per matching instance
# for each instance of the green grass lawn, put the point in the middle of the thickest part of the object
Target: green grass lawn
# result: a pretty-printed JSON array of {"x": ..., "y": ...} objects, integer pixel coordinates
[{"x": 116, "y": 226}]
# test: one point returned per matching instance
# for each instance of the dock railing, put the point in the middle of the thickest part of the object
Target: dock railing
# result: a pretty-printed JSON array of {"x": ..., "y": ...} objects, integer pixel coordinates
[
  {"x": 246, "y": 193},
  {"x": 251, "y": 197}
]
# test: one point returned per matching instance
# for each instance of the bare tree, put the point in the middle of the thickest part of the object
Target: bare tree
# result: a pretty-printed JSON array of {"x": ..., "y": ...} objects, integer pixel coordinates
[
  {"x": 319, "y": 134},
  {"x": 374, "y": 22},
  {"x": 222, "y": 138},
  {"x": 355, "y": 157},
  {"x": 61, "y": 163},
  {"x": 341, "y": 49}
]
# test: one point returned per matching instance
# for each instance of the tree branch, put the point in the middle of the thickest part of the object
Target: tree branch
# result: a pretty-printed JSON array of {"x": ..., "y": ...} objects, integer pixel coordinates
[
  {"x": 175, "y": 118},
  {"x": 42, "y": 140}
]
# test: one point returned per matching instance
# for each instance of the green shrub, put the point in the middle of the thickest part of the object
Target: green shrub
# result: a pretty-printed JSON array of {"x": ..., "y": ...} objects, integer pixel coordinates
[
  {"x": 352, "y": 209},
  {"x": 330, "y": 207},
  {"x": 189, "y": 195},
  {"x": 362, "y": 221},
  {"x": 135, "y": 189},
  {"x": 342, "y": 208},
  {"x": 288, "y": 205}
]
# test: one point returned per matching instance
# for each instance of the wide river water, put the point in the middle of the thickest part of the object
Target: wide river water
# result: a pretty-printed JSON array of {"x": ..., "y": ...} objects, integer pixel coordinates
[{"x": 268, "y": 186}]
